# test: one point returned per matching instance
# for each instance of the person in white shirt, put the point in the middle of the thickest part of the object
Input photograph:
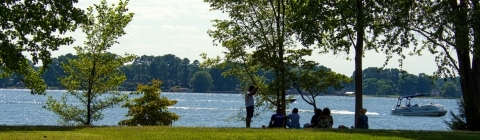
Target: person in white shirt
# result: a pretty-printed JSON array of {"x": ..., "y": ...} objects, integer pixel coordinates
[{"x": 249, "y": 102}]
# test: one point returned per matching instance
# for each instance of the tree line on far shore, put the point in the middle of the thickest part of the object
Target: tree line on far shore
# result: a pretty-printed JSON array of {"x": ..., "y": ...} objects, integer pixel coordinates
[{"x": 182, "y": 75}]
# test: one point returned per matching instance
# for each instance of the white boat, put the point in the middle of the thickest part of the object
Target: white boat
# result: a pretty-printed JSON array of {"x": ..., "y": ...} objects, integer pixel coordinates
[
  {"x": 292, "y": 100},
  {"x": 417, "y": 110}
]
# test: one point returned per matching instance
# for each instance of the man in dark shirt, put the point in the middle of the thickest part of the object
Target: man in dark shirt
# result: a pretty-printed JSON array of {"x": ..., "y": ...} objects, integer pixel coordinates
[{"x": 277, "y": 120}]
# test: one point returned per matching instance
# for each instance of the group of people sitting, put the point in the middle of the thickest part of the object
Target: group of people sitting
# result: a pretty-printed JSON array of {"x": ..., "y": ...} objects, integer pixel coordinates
[{"x": 321, "y": 119}]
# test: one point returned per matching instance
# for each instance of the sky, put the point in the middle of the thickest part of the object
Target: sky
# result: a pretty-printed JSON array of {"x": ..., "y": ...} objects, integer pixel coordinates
[{"x": 179, "y": 27}]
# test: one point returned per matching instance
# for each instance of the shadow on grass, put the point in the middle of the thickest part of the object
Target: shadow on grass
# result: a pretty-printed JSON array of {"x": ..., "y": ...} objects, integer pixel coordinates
[
  {"x": 4, "y": 128},
  {"x": 409, "y": 134}
]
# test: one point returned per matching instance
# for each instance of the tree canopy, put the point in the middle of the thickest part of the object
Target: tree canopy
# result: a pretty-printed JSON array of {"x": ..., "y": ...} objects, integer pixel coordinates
[
  {"x": 93, "y": 78},
  {"x": 34, "y": 27}
]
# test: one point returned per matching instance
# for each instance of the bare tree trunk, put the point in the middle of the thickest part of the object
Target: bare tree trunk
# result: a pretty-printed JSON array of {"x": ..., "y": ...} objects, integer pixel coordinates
[{"x": 358, "y": 60}]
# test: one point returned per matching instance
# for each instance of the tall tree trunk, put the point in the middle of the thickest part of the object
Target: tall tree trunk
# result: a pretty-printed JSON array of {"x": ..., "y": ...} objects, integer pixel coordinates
[
  {"x": 358, "y": 60},
  {"x": 467, "y": 79},
  {"x": 279, "y": 13},
  {"x": 476, "y": 51},
  {"x": 90, "y": 92}
]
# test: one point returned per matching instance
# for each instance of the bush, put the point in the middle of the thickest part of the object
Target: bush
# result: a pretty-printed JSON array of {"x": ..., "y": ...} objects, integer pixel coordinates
[{"x": 149, "y": 109}]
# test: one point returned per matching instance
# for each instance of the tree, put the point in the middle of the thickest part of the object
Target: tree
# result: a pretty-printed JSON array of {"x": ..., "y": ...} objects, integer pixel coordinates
[
  {"x": 95, "y": 74},
  {"x": 311, "y": 80},
  {"x": 55, "y": 70},
  {"x": 150, "y": 108},
  {"x": 184, "y": 74},
  {"x": 425, "y": 83},
  {"x": 451, "y": 31},
  {"x": 258, "y": 43},
  {"x": 407, "y": 84},
  {"x": 221, "y": 81},
  {"x": 201, "y": 82},
  {"x": 449, "y": 89},
  {"x": 384, "y": 88},
  {"x": 370, "y": 85},
  {"x": 34, "y": 26},
  {"x": 339, "y": 25},
  {"x": 172, "y": 65}
]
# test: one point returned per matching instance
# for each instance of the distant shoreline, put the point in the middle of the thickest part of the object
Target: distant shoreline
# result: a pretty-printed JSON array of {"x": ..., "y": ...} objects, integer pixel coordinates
[{"x": 237, "y": 92}]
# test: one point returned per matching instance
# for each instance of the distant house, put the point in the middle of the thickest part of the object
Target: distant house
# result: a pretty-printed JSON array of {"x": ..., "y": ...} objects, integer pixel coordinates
[{"x": 435, "y": 92}]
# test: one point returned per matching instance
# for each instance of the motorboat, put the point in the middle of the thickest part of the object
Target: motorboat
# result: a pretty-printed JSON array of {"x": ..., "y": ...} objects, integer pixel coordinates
[
  {"x": 417, "y": 110},
  {"x": 292, "y": 100}
]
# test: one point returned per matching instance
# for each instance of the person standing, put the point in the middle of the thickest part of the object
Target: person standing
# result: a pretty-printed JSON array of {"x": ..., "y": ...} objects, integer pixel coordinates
[
  {"x": 362, "y": 121},
  {"x": 294, "y": 119},
  {"x": 249, "y": 102}
]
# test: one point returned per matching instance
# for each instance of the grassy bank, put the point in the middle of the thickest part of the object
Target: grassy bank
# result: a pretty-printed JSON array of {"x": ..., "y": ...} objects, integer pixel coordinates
[{"x": 157, "y": 132}]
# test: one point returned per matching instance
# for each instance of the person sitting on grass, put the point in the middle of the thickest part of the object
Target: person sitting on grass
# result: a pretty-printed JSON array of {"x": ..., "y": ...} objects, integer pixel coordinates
[
  {"x": 293, "y": 119},
  {"x": 277, "y": 120},
  {"x": 326, "y": 120},
  {"x": 315, "y": 118},
  {"x": 362, "y": 121}
]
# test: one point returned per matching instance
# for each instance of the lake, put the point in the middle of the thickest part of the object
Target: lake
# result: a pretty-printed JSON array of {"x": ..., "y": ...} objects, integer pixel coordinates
[{"x": 19, "y": 107}]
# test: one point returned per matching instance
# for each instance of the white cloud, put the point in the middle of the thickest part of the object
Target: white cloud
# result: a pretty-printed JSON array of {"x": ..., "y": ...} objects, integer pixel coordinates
[
  {"x": 135, "y": 26},
  {"x": 180, "y": 28},
  {"x": 202, "y": 36}
]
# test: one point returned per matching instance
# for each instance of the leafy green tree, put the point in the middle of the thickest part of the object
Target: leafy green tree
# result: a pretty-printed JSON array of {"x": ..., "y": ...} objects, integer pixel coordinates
[
  {"x": 449, "y": 89},
  {"x": 449, "y": 29},
  {"x": 257, "y": 40},
  {"x": 407, "y": 84},
  {"x": 201, "y": 82},
  {"x": 150, "y": 108},
  {"x": 184, "y": 74},
  {"x": 370, "y": 85},
  {"x": 425, "y": 83},
  {"x": 55, "y": 71},
  {"x": 172, "y": 65},
  {"x": 222, "y": 82},
  {"x": 458, "y": 121},
  {"x": 33, "y": 26},
  {"x": 337, "y": 26},
  {"x": 384, "y": 88},
  {"x": 315, "y": 80},
  {"x": 94, "y": 77}
]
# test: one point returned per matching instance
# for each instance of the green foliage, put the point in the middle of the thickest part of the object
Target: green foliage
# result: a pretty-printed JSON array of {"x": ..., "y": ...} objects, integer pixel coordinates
[
  {"x": 30, "y": 27},
  {"x": 310, "y": 80},
  {"x": 384, "y": 88},
  {"x": 201, "y": 82},
  {"x": 338, "y": 26},
  {"x": 93, "y": 78},
  {"x": 407, "y": 84},
  {"x": 449, "y": 89},
  {"x": 150, "y": 108},
  {"x": 258, "y": 44},
  {"x": 458, "y": 121}
]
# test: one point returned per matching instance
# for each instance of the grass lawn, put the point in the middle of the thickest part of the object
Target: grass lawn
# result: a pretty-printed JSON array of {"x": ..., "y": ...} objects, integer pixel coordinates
[{"x": 161, "y": 132}]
